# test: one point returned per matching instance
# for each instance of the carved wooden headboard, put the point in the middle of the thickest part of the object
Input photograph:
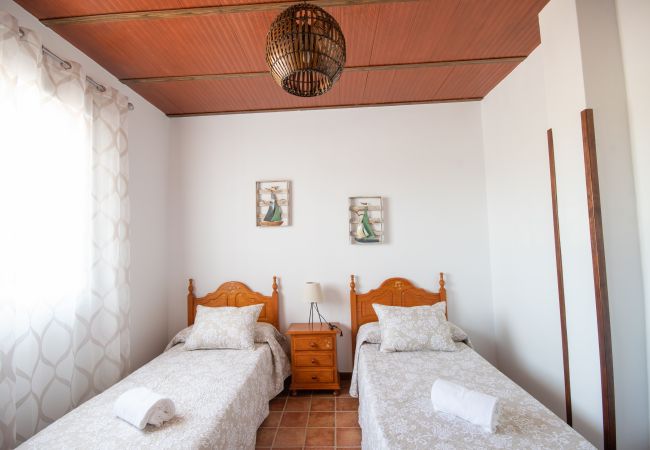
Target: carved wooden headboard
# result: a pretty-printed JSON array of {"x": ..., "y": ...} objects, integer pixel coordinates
[
  {"x": 234, "y": 293},
  {"x": 392, "y": 292}
]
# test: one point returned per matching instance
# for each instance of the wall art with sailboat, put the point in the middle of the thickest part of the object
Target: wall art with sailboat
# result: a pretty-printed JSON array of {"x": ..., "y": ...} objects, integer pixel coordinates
[
  {"x": 366, "y": 220},
  {"x": 273, "y": 201}
]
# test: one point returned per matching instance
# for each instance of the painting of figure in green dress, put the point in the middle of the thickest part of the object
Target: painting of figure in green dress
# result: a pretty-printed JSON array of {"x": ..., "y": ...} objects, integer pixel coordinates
[
  {"x": 273, "y": 202},
  {"x": 366, "y": 220}
]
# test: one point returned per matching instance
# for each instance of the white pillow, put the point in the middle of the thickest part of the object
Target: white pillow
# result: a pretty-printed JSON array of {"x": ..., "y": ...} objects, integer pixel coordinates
[
  {"x": 371, "y": 333},
  {"x": 458, "y": 334},
  {"x": 224, "y": 327},
  {"x": 408, "y": 329},
  {"x": 263, "y": 332}
]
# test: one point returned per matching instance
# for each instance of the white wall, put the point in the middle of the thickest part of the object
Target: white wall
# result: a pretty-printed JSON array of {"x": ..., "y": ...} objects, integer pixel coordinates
[
  {"x": 149, "y": 152},
  {"x": 149, "y": 171},
  {"x": 605, "y": 94},
  {"x": 633, "y": 19},
  {"x": 565, "y": 98},
  {"x": 577, "y": 66},
  {"x": 425, "y": 160},
  {"x": 522, "y": 255}
]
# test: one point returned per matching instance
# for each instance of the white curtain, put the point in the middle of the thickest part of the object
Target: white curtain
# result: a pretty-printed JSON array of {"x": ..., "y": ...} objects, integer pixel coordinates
[{"x": 64, "y": 237}]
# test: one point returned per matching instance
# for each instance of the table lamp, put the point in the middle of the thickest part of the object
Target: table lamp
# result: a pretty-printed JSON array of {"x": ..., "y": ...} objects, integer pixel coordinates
[{"x": 314, "y": 295}]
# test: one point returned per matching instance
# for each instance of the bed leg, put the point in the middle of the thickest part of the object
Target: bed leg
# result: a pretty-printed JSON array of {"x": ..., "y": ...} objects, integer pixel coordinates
[
  {"x": 335, "y": 392},
  {"x": 294, "y": 393}
]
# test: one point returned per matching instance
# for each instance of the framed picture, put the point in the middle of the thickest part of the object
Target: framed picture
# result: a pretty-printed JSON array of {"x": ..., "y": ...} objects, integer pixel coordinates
[
  {"x": 273, "y": 203},
  {"x": 366, "y": 220}
]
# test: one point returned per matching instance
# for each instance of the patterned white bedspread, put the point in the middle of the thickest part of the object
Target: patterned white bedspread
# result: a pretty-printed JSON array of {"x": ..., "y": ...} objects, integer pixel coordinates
[
  {"x": 395, "y": 410},
  {"x": 221, "y": 398}
]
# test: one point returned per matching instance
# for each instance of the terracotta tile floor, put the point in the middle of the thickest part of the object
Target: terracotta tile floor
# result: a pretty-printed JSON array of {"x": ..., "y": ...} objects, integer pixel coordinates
[{"x": 312, "y": 420}]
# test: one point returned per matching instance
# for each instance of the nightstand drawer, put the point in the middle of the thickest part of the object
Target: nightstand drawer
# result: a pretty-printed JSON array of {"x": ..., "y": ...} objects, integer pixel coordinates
[
  {"x": 314, "y": 359},
  {"x": 313, "y": 342},
  {"x": 314, "y": 376}
]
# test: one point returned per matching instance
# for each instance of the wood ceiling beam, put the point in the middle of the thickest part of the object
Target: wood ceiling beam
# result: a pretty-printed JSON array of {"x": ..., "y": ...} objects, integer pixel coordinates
[
  {"x": 308, "y": 108},
  {"x": 157, "y": 14},
  {"x": 374, "y": 68}
]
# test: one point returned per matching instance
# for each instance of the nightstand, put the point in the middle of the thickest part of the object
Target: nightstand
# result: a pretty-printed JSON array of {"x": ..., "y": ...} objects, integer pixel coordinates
[{"x": 313, "y": 357}]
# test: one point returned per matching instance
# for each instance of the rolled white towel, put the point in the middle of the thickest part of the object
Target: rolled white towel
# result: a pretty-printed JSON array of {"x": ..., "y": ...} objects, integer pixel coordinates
[
  {"x": 475, "y": 407},
  {"x": 140, "y": 406}
]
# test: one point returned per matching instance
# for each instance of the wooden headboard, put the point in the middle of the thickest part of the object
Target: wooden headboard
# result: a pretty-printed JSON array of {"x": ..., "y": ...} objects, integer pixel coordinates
[
  {"x": 234, "y": 293},
  {"x": 392, "y": 292}
]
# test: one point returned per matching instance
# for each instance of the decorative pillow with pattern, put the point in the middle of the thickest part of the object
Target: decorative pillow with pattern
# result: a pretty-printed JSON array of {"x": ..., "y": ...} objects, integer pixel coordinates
[
  {"x": 223, "y": 327},
  {"x": 263, "y": 333},
  {"x": 410, "y": 329},
  {"x": 372, "y": 333},
  {"x": 458, "y": 334}
]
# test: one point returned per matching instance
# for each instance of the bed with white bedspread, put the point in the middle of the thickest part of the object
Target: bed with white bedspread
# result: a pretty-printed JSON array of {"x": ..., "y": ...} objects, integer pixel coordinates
[
  {"x": 221, "y": 396},
  {"x": 394, "y": 388},
  {"x": 395, "y": 410}
]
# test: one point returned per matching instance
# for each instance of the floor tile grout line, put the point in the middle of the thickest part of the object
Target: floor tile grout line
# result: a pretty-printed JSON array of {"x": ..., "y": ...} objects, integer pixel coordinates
[
  {"x": 336, "y": 405},
  {"x": 274, "y": 436},
  {"x": 277, "y": 429}
]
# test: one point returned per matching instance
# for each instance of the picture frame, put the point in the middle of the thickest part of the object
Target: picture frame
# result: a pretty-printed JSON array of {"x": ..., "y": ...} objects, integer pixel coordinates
[
  {"x": 273, "y": 203},
  {"x": 366, "y": 220}
]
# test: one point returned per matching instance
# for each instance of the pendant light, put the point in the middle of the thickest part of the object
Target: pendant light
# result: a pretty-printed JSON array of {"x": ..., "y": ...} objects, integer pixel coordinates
[{"x": 305, "y": 50}]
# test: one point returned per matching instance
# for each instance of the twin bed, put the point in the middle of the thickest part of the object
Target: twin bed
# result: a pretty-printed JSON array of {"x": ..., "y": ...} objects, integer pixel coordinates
[
  {"x": 222, "y": 396},
  {"x": 395, "y": 409}
]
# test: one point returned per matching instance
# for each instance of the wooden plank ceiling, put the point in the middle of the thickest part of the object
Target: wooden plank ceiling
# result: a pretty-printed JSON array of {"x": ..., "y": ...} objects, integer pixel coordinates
[{"x": 207, "y": 56}]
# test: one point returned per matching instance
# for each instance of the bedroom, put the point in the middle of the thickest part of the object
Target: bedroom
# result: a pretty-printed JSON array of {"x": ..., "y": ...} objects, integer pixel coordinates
[{"x": 465, "y": 189}]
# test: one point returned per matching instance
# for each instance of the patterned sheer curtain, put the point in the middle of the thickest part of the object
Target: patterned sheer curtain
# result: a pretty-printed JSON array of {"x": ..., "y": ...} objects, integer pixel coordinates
[{"x": 64, "y": 237}]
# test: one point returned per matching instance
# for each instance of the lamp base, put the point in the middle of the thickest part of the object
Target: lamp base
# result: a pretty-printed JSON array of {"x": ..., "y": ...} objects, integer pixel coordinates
[{"x": 314, "y": 307}]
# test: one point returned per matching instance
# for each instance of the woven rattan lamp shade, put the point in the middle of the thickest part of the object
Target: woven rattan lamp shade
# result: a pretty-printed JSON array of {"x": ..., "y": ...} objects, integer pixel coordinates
[{"x": 305, "y": 49}]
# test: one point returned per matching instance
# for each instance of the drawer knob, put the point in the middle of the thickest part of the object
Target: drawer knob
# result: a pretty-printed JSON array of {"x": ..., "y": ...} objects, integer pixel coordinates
[
  {"x": 313, "y": 361},
  {"x": 314, "y": 377},
  {"x": 312, "y": 344}
]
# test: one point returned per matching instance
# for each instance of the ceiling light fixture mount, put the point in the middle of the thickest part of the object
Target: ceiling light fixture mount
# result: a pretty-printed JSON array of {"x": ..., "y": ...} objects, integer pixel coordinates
[{"x": 305, "y": 50}]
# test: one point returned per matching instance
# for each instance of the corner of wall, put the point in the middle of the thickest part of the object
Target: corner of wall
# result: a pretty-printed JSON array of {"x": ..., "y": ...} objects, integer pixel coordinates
[
  {"x": 520, "y": 228},
  {"x": 633, "y": 17},
  {"x": 176, "y": 282},
  {"x": 605, "y": 88}
]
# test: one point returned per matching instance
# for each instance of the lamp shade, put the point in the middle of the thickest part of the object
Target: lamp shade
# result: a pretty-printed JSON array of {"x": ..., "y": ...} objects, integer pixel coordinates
[
  {"x": 313, "y": 292},
  {"x": 305, "y": 50}
]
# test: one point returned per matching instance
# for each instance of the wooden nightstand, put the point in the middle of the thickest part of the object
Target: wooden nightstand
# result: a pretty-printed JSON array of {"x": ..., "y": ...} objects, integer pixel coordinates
[{"x": 313, "y": 357}]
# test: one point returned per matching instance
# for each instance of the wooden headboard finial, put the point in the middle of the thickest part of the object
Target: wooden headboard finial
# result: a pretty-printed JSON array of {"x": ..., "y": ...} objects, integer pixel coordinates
[
  {"x": 190, "y": 302},
  {"x": 443, "y": 291},
  {"x": 353, "y": 312},
  {"x": 273, "y": 312}
]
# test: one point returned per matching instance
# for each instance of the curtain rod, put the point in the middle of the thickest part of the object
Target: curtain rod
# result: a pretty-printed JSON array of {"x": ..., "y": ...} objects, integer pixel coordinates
[{"x": 66, "y": 65}]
